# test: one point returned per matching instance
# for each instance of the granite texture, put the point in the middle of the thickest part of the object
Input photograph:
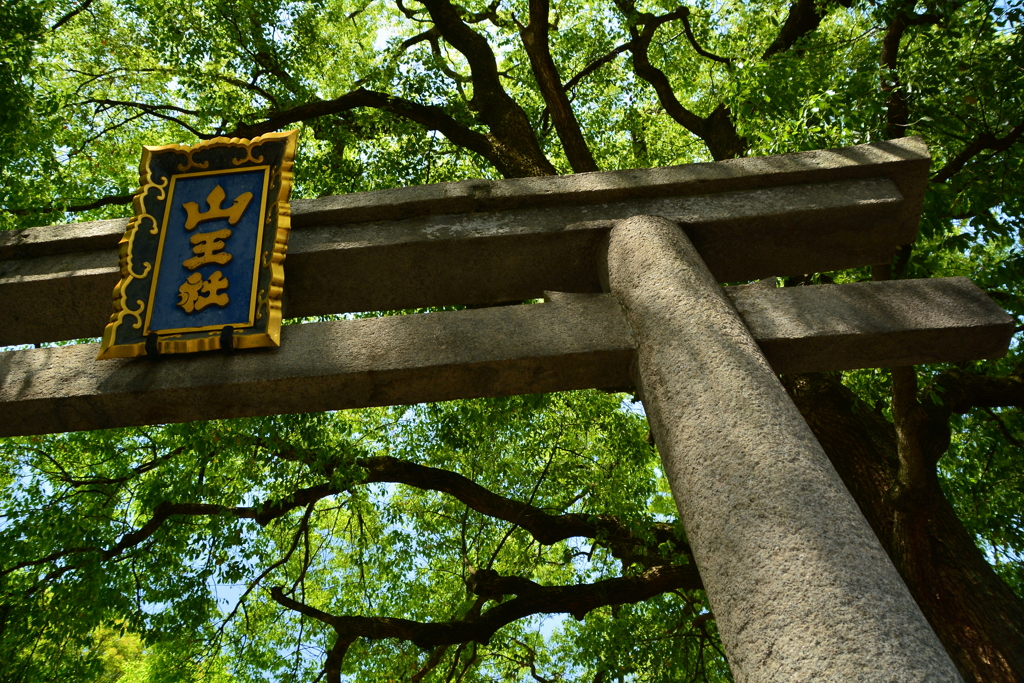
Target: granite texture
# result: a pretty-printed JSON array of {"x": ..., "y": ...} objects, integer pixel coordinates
[
  {"x": 575, "y": 341},
  {"x": 800, "y": 587},
  {"x": 491, "y": 257}
]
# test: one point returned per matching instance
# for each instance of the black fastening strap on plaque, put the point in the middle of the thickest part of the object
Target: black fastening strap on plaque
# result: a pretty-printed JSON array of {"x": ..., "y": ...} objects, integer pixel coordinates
[
  {"x": 152, "y": 350},
  {"x": 227, "y": 340}
]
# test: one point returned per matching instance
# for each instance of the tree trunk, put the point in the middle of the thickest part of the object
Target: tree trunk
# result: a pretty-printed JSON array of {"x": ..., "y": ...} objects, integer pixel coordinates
[{"x": 976, "y": 615}]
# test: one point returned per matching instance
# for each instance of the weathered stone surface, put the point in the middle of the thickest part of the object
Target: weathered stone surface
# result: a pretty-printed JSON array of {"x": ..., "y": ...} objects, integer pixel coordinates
[
  {"x": 800, "y": 587},
  {"x": 480, "y": 258},
  {"x": 325, "y": 366},
  {"x": 60, "y": 239},
  {"x": 581, "y": 340},
  {"x": 874, "y": 324},
  {"x": 905, "y": 161}
]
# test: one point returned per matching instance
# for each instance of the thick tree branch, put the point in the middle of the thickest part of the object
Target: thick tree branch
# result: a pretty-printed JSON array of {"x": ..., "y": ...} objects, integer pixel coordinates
[
  {"x": 545, "y": 528},
  {"x": 595, "y": 65},
  {"x": 960, "y": 390},
  {"x": 430, "y": 34},
  {"x": 897, "y": 113},
  {"x": 535, "y": 40},
  {"x": 512, "y": 134},
  {"x": 429, "y": 116},
  {"x": 716, "y": 130},
  {"x": 688, "y": 30},
  {"x": 897, "y": 116},
  {"x": 71, "y": 15},
  {"x": 442, "y": 62},
  {"x": 642, "y": 33},
  {"x": 531, "y": 599},
  {"x": 804, "y": 18},
  {"x": 335, "y": 658},
  {"x": 590, "y": 68},
  {"x": 922, "y": 425},
  {"x": 112, "y": 200},
  {"x": 985, "y": 142},
  {"x": 913, "y": 424}
]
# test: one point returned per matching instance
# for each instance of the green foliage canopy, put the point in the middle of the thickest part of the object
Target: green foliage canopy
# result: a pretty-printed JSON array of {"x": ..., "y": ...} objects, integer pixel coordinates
[{"x": 213, "y": 551}]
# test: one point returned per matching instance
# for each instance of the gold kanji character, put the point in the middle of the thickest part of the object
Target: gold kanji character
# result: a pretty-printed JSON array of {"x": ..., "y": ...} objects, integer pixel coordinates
[
  {"x": 214, "y": 199},
  {"x": 192, "y": 287},
  {"x": 208, "y": 249}
]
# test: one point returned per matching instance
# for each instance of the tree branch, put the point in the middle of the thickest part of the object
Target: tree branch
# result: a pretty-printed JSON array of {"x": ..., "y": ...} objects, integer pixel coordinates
[
  {"x": 430, "y": 34},
  {"x": 897, "y": 116},
  {"x": 804, "y": 18},
  {"x": 156, "y": 110},
  {"x": 696, "y": 46},
  {"x": 960, "y": 390},
  {"x": 112, "y": 200},
  {"x": 71, "y": 15},
  {"x": 107, "y": 104},
  {"x": 261, "y": 514},
  {"x": 545, "y": 528},
  {"x": 510, "y": 128},
  {"x": 429, "y": 116},
  {"x": 716, "y": 130},
  {"x": 1003, "y": 429},
  {"x": 916, "y": 461},
  {"x": 981, "y": 143},
  {"x": 147, "y": 466},
  {"x": 531, "y": 599},
  {"x": 595, "y": 65},
  {"x": 896, "y": 110},
  {"x": 535, "y": 40}
]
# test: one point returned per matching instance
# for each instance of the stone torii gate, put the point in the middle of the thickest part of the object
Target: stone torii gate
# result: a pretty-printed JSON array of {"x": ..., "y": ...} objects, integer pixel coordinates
[{"x": 800, "y": 587}]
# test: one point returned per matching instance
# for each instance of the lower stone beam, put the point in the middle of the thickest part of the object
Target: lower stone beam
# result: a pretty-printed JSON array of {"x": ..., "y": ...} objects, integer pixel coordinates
[{"x": 574, "y": 341}]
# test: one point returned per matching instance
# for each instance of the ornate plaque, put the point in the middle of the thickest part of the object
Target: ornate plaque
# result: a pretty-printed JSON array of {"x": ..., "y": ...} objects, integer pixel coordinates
[{"x": 201, "y": 260}]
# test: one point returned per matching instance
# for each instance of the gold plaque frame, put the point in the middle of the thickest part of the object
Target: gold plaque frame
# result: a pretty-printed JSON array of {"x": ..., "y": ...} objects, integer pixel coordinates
[{"x": 157, "y": 211}]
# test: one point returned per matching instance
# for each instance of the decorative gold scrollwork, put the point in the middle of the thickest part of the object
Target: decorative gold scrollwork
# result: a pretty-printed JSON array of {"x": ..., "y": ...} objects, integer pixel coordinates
[
  {"x": 141, "y": 213},
  {"x": 243, "y": 154},
  {"x": 192, "y": 163},
  {"x": 137, "y": 313},
  {"x": 248, "y": 154},
  {"x": 162, "y": 187},
  {"x": 146, "y": 267},
  {"x": 128, "y": 267},
  {"x": 273, "y": 212},
  {"x": 262, "y": 301},
  {"x": 152, "y": 219}
]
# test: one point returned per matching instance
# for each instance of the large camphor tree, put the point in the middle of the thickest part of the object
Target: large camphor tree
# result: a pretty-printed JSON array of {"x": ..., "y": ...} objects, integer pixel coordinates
[{"x": 530, "y": 538}]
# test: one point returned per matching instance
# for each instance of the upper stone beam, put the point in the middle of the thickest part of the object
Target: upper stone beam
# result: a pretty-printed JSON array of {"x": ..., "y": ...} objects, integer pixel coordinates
[
  {"x": 904, "y": 161},
  {"x": 480, "y": 242}
]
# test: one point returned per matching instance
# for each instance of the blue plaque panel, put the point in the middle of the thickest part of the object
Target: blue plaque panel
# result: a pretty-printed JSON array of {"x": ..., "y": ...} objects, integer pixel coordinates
[
  {"x": 201, "y": 261},
  {"x": 206, "y": 272}
]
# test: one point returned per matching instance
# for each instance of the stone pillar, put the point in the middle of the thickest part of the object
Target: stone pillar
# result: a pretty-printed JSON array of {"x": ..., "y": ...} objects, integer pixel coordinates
[{"x": 800, "y": 587}]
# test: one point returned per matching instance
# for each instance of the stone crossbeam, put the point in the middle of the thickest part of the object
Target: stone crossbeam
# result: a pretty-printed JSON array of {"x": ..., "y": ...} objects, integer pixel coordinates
[
  {"x": 573, "y": 341},
  {"x": 483, "y": 242}
]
